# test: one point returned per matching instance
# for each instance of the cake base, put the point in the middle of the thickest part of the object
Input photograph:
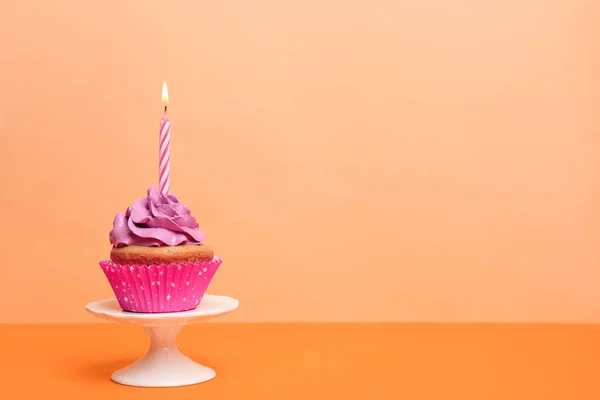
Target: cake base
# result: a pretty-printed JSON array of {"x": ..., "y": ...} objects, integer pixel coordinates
[
  {"x": 163, "y": 365},
  {"x": 148, "y": 255}
]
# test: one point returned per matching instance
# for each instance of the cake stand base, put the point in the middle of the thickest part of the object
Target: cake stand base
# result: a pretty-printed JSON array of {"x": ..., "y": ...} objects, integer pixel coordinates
[{"x": 163, "y": 365}]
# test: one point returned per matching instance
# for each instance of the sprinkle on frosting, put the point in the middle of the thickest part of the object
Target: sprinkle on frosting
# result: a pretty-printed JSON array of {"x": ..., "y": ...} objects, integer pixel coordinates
[{"x": 155, "y": 220}]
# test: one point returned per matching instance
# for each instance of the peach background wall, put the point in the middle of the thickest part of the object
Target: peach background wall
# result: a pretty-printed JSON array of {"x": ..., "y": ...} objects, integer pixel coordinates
[{"x": 350, "y": 160}]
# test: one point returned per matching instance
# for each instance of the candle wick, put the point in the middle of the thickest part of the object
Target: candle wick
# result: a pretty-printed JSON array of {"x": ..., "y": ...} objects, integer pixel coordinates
[{"x": 165, "y": 109}]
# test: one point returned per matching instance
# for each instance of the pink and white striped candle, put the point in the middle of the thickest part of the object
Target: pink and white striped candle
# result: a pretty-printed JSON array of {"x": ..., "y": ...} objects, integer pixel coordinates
[{"x": 164, "y": 158}]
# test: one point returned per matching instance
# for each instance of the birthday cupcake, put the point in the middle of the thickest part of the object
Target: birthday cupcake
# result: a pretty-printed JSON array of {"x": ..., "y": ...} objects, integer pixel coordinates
[{"x": 158, "y": 261}]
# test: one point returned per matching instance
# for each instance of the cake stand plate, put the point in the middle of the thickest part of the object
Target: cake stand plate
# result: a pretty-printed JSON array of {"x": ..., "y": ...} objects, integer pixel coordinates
[{"x": 163, "y": 365}]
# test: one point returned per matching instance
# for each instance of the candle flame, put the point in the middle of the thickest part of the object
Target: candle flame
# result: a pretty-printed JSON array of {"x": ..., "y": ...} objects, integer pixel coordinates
[{"x": 165, "y": 94}]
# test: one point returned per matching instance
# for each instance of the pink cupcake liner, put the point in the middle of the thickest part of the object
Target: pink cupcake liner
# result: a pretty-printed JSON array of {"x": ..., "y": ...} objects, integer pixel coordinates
[{"x": 160, "y": 288}]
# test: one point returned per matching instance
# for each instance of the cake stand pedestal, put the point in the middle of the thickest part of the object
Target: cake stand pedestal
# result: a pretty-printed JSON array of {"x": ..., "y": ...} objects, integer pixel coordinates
[{"x": 163, "y": 365}]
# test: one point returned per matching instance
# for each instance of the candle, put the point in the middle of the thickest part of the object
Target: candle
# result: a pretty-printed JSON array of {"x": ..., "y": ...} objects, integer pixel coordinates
[{"x": 164, "y": 158}]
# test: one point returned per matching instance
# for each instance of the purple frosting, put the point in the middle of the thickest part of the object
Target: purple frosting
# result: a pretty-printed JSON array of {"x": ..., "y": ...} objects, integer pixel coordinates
[{"x": 155, "y": 220}]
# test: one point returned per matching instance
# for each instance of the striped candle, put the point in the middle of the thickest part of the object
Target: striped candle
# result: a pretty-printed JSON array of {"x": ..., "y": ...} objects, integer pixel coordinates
[{"x": 164, "y": 158}]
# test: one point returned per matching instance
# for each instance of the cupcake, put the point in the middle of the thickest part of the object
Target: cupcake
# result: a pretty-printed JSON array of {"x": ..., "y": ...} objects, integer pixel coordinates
[{"x": 158, "y": 261}]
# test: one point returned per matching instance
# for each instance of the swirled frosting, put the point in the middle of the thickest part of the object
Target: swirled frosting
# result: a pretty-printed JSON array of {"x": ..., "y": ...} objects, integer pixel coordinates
[{"x": 155, "y": 220}]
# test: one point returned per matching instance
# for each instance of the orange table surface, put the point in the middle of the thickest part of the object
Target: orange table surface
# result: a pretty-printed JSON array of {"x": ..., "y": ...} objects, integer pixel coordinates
[{"x": 313, "y": 361}]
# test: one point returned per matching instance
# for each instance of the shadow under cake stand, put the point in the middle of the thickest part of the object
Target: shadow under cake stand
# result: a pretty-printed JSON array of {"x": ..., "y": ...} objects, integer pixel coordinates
[{"x": 163, "y": 365}]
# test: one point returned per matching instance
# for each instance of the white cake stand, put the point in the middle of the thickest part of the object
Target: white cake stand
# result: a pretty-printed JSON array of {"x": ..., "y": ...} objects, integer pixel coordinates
[{"x": 163, "y": 365}]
